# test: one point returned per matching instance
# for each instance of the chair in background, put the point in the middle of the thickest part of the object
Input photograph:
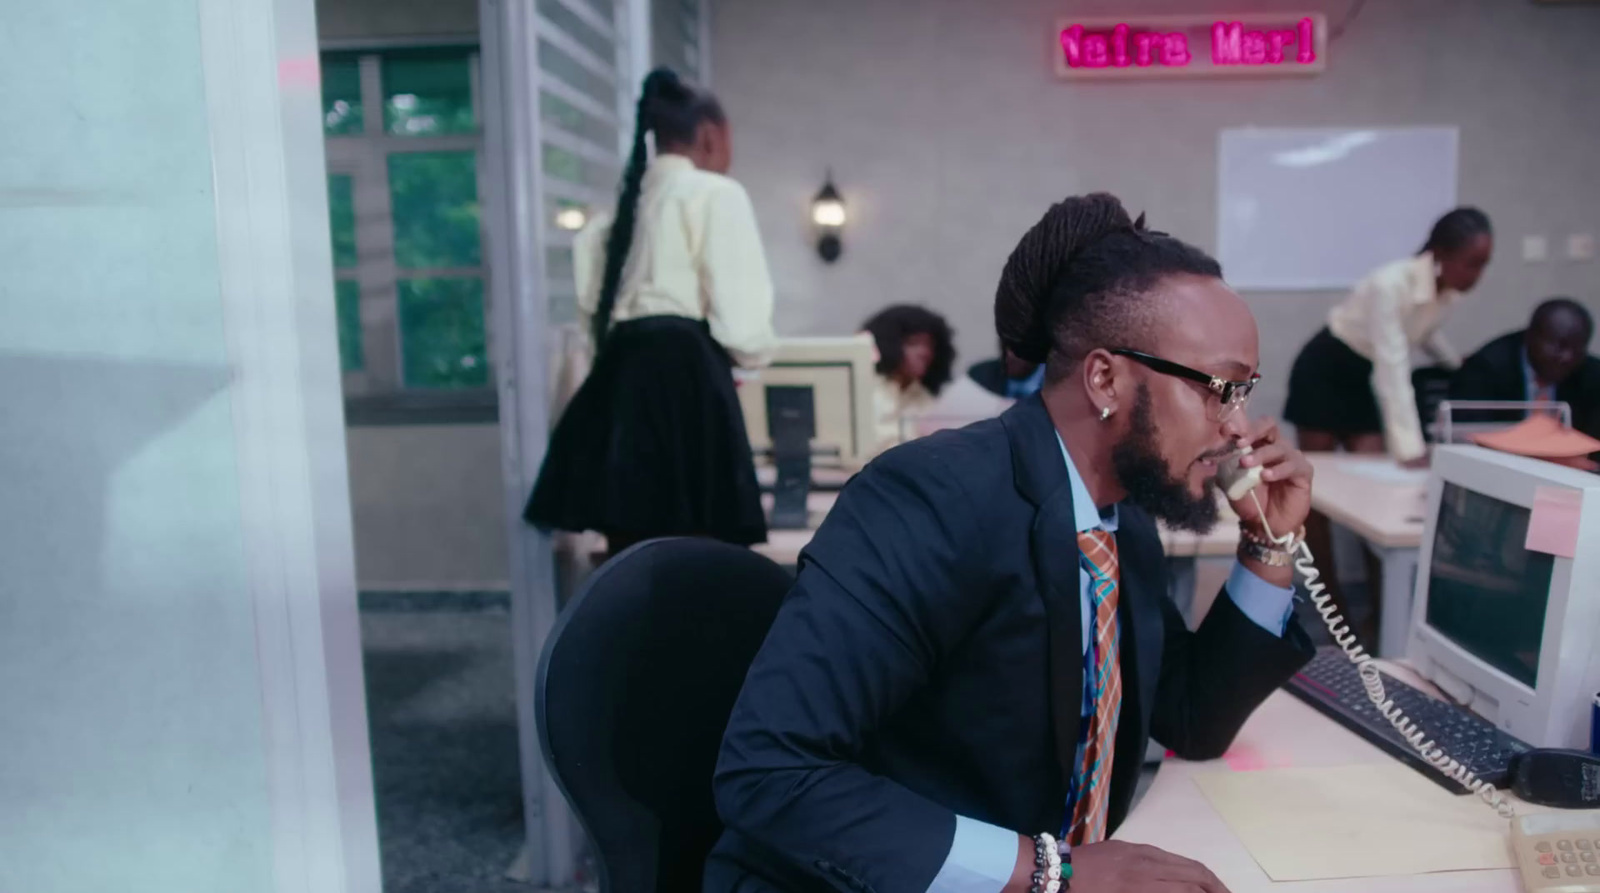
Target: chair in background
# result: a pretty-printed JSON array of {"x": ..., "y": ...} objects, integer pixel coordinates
[
  {"x": 1431, "y": 385},
  {"x": 634, "y": 690}
]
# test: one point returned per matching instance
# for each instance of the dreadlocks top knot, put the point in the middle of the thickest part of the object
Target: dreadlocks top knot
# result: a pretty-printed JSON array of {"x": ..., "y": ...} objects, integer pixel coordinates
[
  {"x": 1021, "y": 303},
  {"x": 1077, "y": 279}
]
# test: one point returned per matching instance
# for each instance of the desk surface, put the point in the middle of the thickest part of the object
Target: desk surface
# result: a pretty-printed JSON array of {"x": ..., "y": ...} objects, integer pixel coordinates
[
  {"x": 1383, "y": 503},
  {"x": 1175, "y": 816}
]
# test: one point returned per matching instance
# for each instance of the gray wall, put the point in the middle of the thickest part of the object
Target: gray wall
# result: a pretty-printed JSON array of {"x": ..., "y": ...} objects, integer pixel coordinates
[
  {"x": 427, "y": 504},
  {"x": 949, "y": 135}
]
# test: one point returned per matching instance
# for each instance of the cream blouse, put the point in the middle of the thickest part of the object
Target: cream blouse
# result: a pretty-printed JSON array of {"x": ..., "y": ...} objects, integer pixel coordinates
[
  {"x": 696, "y": 253},
  {"x": 1396, "y": 308}
]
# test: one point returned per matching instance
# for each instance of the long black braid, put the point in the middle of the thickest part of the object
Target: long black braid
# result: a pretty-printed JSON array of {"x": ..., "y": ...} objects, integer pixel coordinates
[
  {"x": 1077, "y": 279},
  {"x": 672, "y": 110}
]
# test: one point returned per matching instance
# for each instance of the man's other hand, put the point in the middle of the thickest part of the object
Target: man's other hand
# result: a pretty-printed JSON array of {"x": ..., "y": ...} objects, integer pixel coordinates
[{"x": 1118, "y": 867}]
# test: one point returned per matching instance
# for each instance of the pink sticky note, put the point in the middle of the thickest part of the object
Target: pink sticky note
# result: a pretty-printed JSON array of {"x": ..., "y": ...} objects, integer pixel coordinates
[
  {"x": 1553, "y": 526},
  {"x": 1244, "y": 758}
]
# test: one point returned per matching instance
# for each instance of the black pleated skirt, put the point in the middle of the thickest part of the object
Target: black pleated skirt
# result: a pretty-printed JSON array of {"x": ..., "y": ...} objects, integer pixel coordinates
[
  {"x": 1330, "y": 389},
  {"x": 654, "y": 443}
]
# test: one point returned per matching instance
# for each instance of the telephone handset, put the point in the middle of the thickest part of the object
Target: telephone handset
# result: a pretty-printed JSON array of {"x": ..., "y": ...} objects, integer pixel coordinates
[
  {"x": 1238, "y": 483},
  {"x": 1235, "y": 480}
]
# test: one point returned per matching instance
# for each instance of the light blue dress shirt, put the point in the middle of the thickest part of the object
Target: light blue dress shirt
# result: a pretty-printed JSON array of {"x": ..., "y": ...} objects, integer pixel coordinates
[
  {"x": 1530, "y": 383},
  {"x": 982, "y": 855},
  {"x": 1018, "y": 388}
]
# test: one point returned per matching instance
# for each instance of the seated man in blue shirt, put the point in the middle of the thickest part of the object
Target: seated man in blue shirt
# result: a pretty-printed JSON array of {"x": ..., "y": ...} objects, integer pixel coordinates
[
  {"x": 1008, "y": 375},
  {"x": 1549, "y": 360},
  {"x": 959, "y": 690}
]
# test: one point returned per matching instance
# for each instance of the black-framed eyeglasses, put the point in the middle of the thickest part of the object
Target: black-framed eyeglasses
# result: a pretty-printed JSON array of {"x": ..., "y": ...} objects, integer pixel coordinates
[{"x": 1233, "y": 395}]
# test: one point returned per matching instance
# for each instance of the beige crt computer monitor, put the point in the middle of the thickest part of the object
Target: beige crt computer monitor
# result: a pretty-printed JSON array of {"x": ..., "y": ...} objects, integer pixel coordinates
[
  {"x": 1508, "y": 592},
  {"x": 839, "y": 370}
]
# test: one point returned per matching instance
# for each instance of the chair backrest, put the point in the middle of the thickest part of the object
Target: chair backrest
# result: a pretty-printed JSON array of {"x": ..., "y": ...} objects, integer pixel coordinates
[
  {"x": 634, "y": 691},
  {"x": 1431, "y": 386}
]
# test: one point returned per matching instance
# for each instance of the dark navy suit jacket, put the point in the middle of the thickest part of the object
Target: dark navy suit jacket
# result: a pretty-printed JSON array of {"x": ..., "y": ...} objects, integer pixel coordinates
[
  {"x": 928, "y": 663},
  {"x": 1495, "y": 372}
]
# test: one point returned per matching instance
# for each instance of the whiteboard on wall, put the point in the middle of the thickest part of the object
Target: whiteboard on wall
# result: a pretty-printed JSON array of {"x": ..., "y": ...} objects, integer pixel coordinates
[{"x": 1320, "y": 207}]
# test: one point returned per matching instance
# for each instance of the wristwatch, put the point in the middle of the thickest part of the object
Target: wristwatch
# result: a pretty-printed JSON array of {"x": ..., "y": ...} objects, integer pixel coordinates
[
  {"x": 1253, "y": 534},
  {"x": 1255, "y": 545},
  {"x": 1269, "y": 557}
]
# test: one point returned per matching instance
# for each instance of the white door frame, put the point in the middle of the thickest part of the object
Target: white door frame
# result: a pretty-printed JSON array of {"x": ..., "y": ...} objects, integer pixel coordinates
[
  {"x": 259, "y": 68},
  {"x": 519, "y": 340}
]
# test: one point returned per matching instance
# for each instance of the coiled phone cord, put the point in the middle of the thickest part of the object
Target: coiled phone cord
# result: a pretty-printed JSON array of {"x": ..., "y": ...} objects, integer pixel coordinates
[{"x": 1372, "y": 679}]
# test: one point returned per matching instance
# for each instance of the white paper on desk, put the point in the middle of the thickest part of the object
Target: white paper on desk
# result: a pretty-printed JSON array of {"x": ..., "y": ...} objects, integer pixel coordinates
[
  {"x": 1386, "y": 472},
  {"x": 1371, "y": 820}
]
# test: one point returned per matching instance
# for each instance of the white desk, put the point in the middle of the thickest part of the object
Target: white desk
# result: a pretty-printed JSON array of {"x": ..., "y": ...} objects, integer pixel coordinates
[
  {"x": 1389, "y": 515},
  {"x": 1176, "y": 817}
]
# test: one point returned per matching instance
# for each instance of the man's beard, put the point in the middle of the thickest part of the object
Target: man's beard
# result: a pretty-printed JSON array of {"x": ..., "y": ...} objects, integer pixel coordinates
[{"x": 1143, "y": 474}]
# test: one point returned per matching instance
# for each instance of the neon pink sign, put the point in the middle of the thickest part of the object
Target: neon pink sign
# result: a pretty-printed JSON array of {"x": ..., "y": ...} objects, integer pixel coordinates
[
  {"x": 1232, "y": 45},
  {"x": 1168, "y": 46},
  {"x": 1087, "y": 50}
]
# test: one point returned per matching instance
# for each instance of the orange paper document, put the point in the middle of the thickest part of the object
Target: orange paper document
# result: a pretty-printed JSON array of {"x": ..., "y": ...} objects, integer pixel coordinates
[
  {"x": 1541, "y": 437},
  {"x": 1553, "y": 523}
]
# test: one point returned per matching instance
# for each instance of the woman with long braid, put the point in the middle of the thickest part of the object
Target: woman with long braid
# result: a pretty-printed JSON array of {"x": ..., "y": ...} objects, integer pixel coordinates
[
  {"x": 654, "y": 443},
  {"x": 1351, "y": 384}
]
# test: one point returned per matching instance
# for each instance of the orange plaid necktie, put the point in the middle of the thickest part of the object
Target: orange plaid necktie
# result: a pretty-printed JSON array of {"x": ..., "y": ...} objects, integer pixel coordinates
[{"x": 1094, "y": 776}]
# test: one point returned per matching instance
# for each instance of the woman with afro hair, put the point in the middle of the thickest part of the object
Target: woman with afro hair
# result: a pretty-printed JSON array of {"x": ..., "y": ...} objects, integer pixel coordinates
[{"x": 916, "y": 352}]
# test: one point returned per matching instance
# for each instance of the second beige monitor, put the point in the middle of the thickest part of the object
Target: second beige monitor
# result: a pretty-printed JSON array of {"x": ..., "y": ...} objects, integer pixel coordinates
[{"x": 839, "y": 371}]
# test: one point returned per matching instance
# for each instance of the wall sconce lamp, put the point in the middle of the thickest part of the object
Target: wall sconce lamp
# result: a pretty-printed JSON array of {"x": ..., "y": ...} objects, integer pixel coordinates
[
  {"x": 827, "y": 213},
  {"x": 571, "y": 217}
]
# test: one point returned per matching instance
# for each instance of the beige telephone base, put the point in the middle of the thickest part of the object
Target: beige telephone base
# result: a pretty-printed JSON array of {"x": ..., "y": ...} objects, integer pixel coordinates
[{"x": 1558, "y": 852}]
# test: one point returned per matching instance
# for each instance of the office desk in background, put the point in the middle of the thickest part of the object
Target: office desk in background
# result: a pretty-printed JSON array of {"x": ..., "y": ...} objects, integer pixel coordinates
[
  {"x": 1384, "y": 505},
  {"x": 1183, "y": 549}
]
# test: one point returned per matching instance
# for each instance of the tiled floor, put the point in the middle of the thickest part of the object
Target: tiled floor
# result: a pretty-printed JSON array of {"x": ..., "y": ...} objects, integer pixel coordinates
[{"x": 444, "y": 741}]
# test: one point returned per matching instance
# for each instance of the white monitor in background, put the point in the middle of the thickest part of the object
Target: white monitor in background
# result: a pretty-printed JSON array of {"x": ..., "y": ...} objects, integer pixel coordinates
[
  {"x": 1511, "y": 631},
  {"x": 839, "y": 370}
]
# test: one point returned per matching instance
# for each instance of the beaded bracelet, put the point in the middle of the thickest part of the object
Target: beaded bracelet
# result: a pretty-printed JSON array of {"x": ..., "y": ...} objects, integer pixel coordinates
[{"x": 1049, "y": 874}]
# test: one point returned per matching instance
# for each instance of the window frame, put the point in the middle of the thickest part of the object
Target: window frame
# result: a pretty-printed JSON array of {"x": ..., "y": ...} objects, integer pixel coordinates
[{"x": 377, "y": 393}]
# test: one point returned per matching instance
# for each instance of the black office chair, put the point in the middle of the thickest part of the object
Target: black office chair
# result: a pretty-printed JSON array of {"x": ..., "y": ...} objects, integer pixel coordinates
[
  {"x": 634, "y": 691},
  {"x": 1431, "y": 386}
]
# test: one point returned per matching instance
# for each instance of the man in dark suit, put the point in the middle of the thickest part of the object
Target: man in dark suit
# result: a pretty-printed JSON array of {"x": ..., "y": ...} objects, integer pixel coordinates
[
  {"x": 1008, "y": 375},
  {"x": 1549, "y": 360},
  {"x": 979, "y": 644}
]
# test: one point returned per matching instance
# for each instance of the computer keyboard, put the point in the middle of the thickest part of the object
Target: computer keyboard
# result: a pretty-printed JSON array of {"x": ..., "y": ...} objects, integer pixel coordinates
[{"x": 1332, "y": 685}]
